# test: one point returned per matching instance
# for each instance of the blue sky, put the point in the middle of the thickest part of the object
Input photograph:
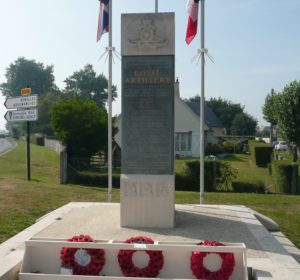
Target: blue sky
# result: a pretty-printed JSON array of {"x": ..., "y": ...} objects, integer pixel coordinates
[{"x": 255, "y": 44}]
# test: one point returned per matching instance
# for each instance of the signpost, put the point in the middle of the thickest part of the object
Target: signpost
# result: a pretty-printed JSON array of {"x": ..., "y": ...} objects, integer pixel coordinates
[
  {"x": 23, "y": 109},
  {"x": 22, "y": 115},
  {"x": 21, "y": 102}
]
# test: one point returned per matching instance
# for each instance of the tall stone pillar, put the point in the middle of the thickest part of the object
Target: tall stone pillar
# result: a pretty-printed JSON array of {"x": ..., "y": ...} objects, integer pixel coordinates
[{"x": 147, "y": 180}]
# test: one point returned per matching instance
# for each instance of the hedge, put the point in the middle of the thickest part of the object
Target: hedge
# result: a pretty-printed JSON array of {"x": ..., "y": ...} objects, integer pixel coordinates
[
  {"x": 226, "y": 147},
  {"x": 37, "y": 140},
  {"x": 282, "y": 171},
  {"x": 248, "y": 187},
  {"x": 260, "y": 152},
  {"x": 188, "y": 181},
  {"x": 92, "y": 179}
]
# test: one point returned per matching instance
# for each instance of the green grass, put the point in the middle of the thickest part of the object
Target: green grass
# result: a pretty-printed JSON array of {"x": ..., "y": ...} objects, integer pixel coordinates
[
  {"x": 22, "y": 202},
  {"x": 248, "y": 172}
]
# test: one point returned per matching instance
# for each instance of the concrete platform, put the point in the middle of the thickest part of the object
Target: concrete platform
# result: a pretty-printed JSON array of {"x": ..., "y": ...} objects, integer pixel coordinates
[{"x": 265, "y": 254}]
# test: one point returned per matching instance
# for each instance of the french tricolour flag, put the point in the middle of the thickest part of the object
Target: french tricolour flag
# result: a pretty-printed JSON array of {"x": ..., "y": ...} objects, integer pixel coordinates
[
  {"x": 192, "y": 9},
  {"x": 103, "y": 18}
]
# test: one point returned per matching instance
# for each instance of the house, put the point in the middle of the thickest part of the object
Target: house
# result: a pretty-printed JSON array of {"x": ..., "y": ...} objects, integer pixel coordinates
[{"x": 187, "y": 127}]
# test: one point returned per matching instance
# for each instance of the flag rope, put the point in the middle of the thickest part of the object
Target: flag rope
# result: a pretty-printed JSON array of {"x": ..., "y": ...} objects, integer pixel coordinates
[
  {"x": 201, "y": 52},
  {"x": 115, "y": 54}
]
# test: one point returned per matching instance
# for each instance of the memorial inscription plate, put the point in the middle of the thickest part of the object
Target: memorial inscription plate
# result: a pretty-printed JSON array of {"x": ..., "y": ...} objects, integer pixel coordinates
[{"x": 148, "y": 114}]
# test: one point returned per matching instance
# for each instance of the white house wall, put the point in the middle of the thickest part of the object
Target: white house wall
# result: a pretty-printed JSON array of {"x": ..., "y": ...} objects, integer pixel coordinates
[
  {"x": 195, "y": 145},
  {"x": 185, "y": 119}
]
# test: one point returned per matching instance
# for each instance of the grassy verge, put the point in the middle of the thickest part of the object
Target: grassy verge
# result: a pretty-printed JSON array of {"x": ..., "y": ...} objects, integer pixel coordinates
[{"x": 22, "y": 202}]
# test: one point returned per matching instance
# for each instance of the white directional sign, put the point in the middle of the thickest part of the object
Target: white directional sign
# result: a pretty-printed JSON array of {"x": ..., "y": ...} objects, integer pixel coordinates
[
  {"x": 21, "y": 102},
  {"x": 22, "y": 115}
]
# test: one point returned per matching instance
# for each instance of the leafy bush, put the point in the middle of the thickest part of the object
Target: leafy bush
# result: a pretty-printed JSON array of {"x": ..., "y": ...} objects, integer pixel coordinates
[
  {"x": 282, "y": 171},
  {"x": 239, "y": 148},
  {"x": 16, "y": 134},
  {"x": 218, "y": 176},
  {"x": 230, "y": 148},
  {"x": 225, "y": 176},
  {"x": 247, "y": 187},
  {"x": 38, "y": 140},
  {"x": 270, "y": 169},
  {"x": 213, "y": 149}
]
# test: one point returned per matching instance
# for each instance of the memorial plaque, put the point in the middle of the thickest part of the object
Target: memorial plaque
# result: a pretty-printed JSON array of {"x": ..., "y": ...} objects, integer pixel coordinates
[
  {"x": 147, "y": 180},
  {"x": 148, "y": 115}
]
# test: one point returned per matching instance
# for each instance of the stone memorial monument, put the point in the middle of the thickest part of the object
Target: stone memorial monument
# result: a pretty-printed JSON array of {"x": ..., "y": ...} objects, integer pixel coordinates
[{"x": 147, "y": 179}]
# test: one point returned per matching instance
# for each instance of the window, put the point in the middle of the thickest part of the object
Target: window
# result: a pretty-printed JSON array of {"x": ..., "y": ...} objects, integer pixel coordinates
[{"x": 183, "y": 141}]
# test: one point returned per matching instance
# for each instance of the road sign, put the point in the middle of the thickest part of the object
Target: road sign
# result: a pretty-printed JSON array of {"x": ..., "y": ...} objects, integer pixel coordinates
[
  {"x": 26, "y": 91},
  {"x": 22, "y": 115},
  {"x": 21, "y": 102}
]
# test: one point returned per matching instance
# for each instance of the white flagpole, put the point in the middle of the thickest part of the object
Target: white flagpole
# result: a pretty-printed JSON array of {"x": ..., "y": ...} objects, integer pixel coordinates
[
  {"x": 110, "y": 49},
  {"x": 202, "y": 101},
  {"x": 156, "y": 6}
]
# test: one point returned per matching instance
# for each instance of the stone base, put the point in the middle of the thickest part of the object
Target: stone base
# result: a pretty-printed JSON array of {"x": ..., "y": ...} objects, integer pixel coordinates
[
  {"x": 194, "y": 223},
  {"x": 147, "y": 201}
]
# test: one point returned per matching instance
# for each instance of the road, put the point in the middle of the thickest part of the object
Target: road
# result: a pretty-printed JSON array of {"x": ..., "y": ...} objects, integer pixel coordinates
[{"x": 6, "y": 145}]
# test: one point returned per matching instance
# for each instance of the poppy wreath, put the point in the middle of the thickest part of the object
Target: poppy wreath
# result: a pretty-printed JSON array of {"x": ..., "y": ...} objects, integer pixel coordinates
[
  {"x": 155, "y": 263},
  {"x": 82, "y": 261},
  {"x": 201, "y": 272}
]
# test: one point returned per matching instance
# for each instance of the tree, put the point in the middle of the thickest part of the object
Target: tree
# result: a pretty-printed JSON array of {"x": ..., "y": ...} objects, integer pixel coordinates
[
  {"x": 288, "y": 112},
  {"x": 81, "y": 125},
  {"x": 270, "y": 112},
  {"x": 23, "y": 73},
  {"x": 243, "y": 124},
  {"x": 86, "y": 84},
  {"x": 225, "y": 110},
  {"x": 195, "y": 98},
  {"x": 46, "y": 102}
]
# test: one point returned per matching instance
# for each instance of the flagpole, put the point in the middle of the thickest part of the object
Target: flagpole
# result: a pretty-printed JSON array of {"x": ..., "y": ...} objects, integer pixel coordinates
[
  {"x": 110, "y": 49},
  {"x": 156, "y": 6},
  {"x": 202, "y": 102}
]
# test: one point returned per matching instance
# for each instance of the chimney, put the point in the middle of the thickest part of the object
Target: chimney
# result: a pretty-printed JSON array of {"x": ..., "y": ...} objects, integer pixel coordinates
[{"x": 176, "y": 88}]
